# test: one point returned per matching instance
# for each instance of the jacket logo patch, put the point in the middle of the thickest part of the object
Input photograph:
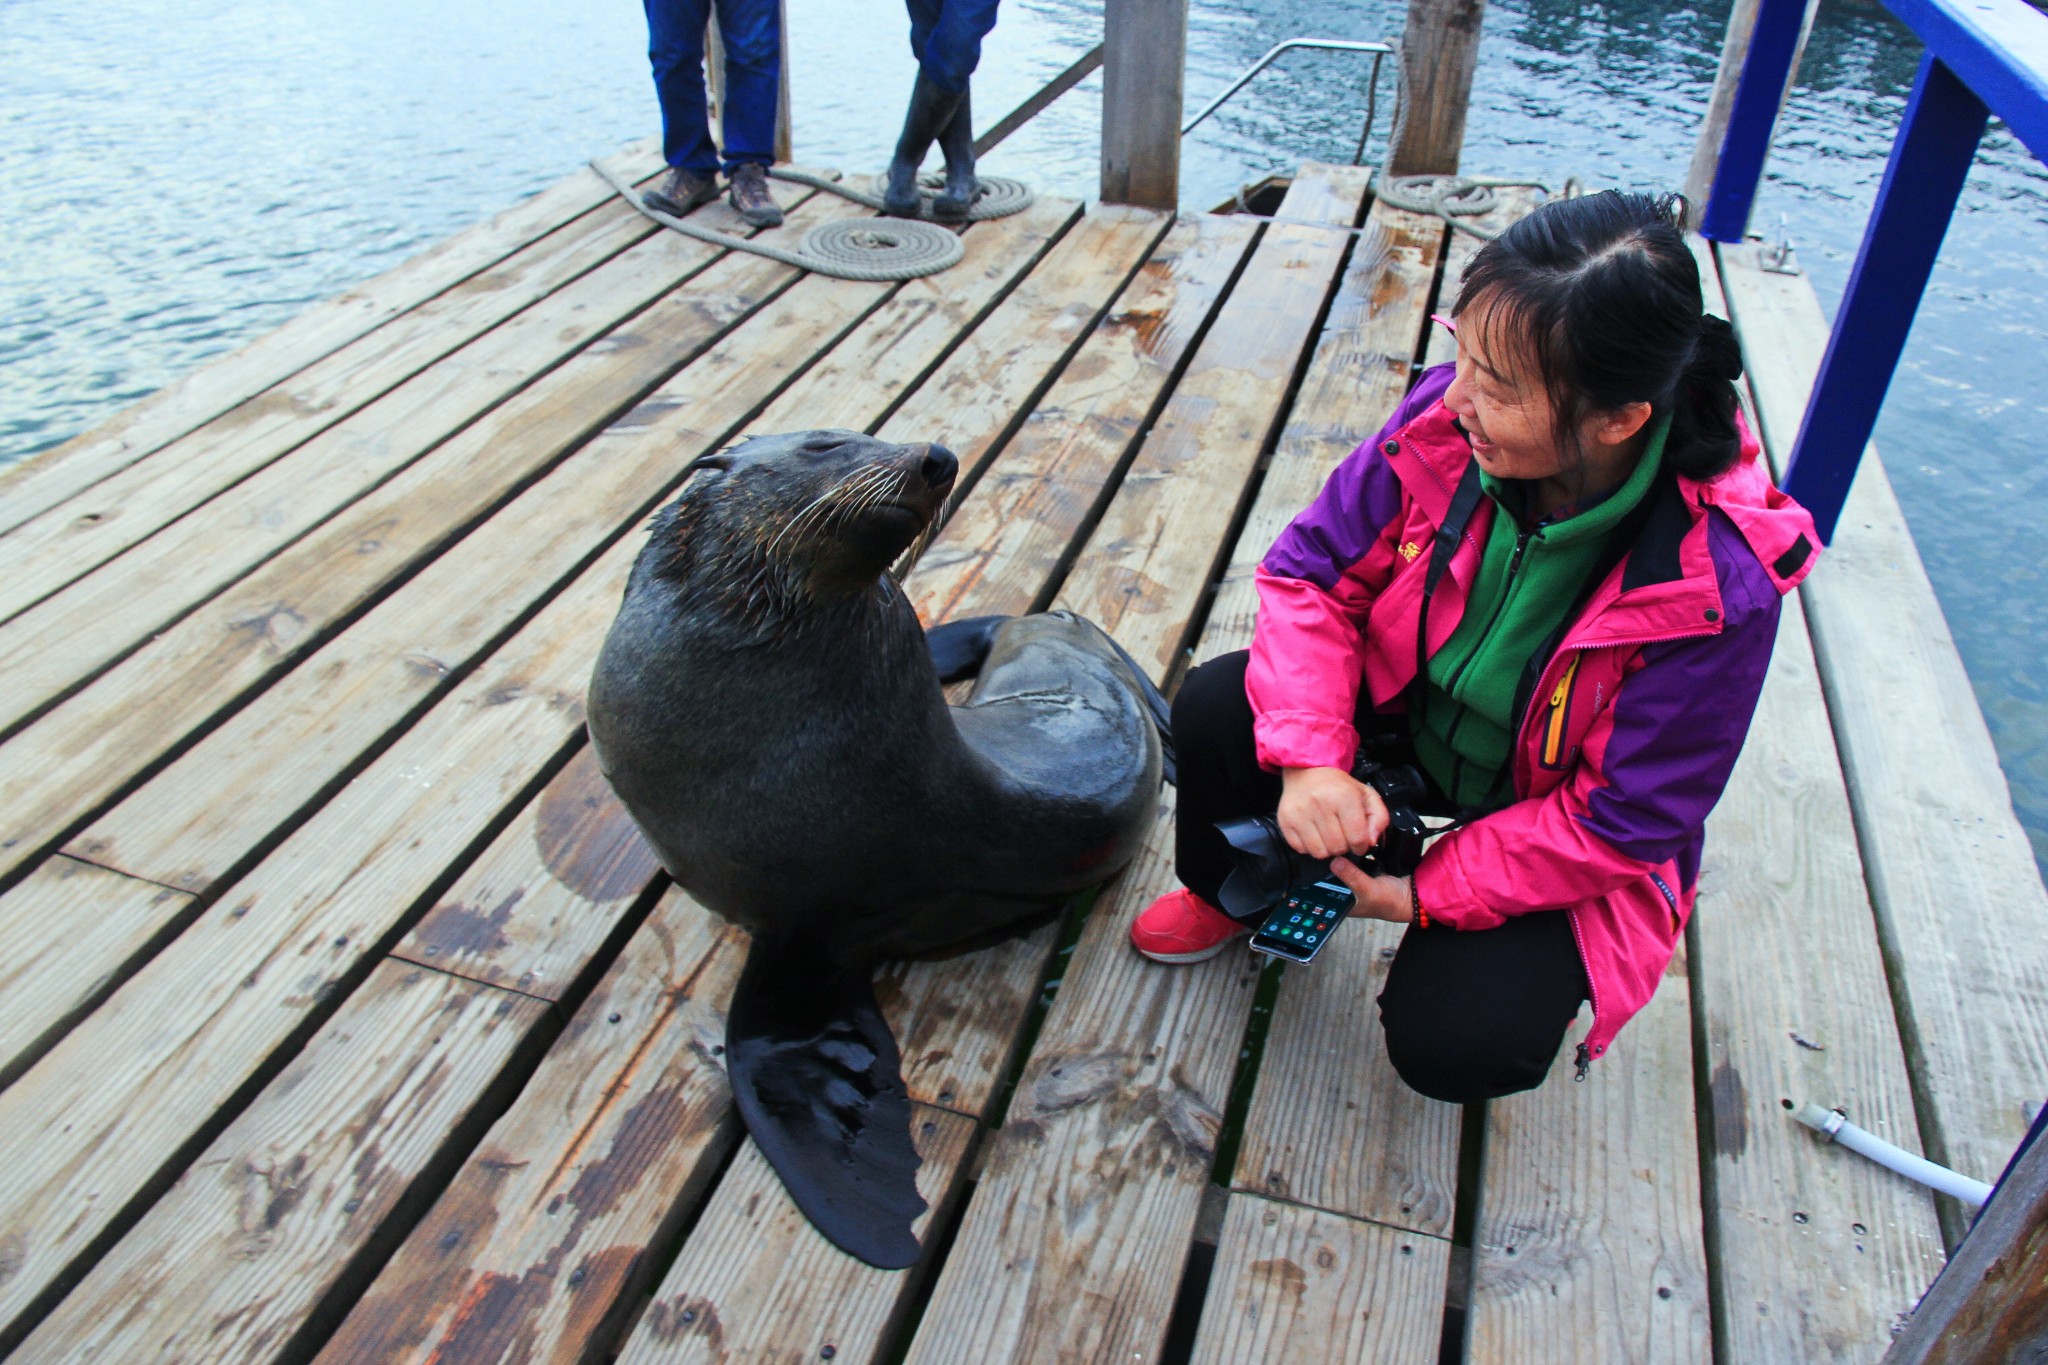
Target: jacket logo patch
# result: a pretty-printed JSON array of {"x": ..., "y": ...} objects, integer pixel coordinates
[{"x": 1410, "y": 551}]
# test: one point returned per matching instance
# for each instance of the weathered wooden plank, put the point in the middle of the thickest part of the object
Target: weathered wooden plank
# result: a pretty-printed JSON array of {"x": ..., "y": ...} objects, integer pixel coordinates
[
  {"x": 898, "y": 349},
  {"x": 65, "y": 934},
  {"x": 94, "y": 1121},
  {"x": 543, "y": 1235},
  {"x": 70, "y": 539},
  {"x": 219, "y": 1001},
  {"x": 1155, "y": 551},
  {"x": 971, "y": 403},
  {"x": 756, "y": 1281},
  {"x": 1093, "y": 1185},
  {"x": 34, "y": 485},
  {"x": 242, "y": 1251},
  {"x": 1296, "y": 1284},
  {"x": 42, "y": 650},
  {"x": 1588, "y": 1245},
  {"x": 1933, "y": 813},
  {"x": 1814, "y": 1256},
  {"x": 1000, "y": 550},
  {"x": 1330, "y": 1125},
  {"x": 400, "y": 650},
  {"x": 547, "y": 893}
]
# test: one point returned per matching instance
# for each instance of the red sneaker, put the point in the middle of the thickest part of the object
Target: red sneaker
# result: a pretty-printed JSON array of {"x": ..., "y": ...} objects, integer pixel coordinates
[{"x": 1182, "y": 927}]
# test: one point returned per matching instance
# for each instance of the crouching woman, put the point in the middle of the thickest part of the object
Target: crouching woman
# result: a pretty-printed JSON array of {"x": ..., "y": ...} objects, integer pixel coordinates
[{"x": 1552, "y": 584}]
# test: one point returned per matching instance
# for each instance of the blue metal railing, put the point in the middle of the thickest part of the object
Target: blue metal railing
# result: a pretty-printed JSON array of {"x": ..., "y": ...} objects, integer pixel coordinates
[{"x": 1983, "y": 57}]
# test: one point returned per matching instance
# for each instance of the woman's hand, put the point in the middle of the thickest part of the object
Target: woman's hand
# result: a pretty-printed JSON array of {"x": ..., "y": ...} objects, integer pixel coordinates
[
  {"x": 1326, "y": 811},
  {"x": 1386, "y": 898}
]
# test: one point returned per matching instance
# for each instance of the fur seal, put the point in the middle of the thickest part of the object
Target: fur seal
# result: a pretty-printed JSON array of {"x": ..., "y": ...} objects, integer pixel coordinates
[{"x": 768, "y": 708}]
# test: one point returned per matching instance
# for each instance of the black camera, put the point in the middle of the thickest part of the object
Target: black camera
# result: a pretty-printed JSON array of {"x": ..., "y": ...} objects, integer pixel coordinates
[{"x": 1267, "y": 867}]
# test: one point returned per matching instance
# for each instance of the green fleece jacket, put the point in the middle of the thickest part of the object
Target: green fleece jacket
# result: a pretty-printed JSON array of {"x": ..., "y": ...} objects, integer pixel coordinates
[{"x": 1529, "y": 580}]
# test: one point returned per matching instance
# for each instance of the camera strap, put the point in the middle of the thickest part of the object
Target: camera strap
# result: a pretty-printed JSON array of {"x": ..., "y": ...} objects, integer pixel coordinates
[{"x": 1464, "y": 502}]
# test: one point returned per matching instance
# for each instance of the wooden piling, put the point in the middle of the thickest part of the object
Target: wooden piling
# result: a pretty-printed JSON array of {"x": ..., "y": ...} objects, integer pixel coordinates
[
  {"x": 1706, "y": 153},
  {"x": 1144, "y": 64},
  {"x": 1990, "y": 1304},
  {"x": 1439, "y": 50}
]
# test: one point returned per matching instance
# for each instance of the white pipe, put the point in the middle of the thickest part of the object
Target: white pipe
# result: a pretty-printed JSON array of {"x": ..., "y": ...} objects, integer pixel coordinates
[{"x": 1834, "y": 1126}]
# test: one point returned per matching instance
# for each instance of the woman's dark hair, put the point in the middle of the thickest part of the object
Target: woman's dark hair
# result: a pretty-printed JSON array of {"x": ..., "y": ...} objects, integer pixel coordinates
[{"x": 1605, "y": 293}]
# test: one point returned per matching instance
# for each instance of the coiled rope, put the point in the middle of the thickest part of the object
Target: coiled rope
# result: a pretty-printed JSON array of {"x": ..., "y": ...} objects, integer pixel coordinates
[
  {"x": 999, "y": 198},
  {"x": 1452, "y": 198},
  {"x": 854, "y": 248}
]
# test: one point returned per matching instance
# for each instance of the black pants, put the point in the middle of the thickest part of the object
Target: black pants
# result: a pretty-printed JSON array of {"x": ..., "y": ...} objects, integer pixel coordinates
[{"x": 1468, "y": 1016}]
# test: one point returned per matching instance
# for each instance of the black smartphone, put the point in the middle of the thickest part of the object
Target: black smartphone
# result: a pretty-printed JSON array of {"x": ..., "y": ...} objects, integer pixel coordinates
[{"x": 1299, "y": 926}]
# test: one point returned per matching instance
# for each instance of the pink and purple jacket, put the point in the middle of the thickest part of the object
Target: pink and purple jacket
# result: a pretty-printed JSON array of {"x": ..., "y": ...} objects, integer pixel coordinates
[{"x": 1634, "y": 724}]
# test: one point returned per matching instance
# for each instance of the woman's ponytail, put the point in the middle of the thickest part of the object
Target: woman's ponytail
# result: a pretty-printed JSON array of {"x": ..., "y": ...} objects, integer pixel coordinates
[{"x": 1704, "y": 440}]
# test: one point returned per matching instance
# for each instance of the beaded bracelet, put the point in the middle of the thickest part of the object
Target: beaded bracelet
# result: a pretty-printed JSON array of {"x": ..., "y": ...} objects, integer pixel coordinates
[{"x": 1419, "y": 915}]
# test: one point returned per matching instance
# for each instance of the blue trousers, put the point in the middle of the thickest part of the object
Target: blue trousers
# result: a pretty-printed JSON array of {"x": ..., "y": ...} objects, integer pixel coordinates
[
  {"x": 945, "y": 37},
  {"x": 752, "y": 30}
]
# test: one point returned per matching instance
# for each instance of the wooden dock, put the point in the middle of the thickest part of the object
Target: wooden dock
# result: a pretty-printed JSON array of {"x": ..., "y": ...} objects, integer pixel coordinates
[{"x": 345, "y": 1017}]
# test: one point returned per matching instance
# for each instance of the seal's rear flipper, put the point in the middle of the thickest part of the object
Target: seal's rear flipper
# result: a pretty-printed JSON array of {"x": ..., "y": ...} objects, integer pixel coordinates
[
  {"x": 959, "y": 647},
  {"x": 818, "y": 1081}
]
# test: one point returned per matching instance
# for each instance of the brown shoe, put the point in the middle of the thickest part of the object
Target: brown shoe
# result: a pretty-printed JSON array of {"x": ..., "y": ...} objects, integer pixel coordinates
[
  {"x": 681, "y": 192},
  {"x": 750, "y": 197}
]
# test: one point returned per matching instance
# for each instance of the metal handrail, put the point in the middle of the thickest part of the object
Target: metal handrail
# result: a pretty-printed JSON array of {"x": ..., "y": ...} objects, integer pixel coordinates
[
  {"x": 1982, "y": 56},
  {"x": 1380, "y": 52}
]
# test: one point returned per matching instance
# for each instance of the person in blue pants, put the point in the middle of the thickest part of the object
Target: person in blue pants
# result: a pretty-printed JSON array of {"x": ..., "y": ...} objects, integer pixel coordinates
[
  {"x": 945, "y": 37},
  {"x": 752, "y": 32}
]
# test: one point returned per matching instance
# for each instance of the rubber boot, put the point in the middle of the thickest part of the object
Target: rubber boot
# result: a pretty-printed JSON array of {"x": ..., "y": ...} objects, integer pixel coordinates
[
  {"x": 956, "y": 140},
  {"x": 931, "y": 110}
]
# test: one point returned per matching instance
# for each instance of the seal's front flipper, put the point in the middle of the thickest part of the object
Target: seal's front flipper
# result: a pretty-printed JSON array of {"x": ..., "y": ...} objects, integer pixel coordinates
[
  {"x": 818, "y": 1081},
  {"x": 959, "y": 647}
]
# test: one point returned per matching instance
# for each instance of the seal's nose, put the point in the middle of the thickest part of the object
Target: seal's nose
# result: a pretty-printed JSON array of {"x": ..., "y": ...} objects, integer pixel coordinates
[{"x": 939, "y": 466}]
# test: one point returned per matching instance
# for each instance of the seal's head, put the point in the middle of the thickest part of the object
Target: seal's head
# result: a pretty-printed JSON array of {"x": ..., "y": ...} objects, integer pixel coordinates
[{"x": 779, "y": 523}]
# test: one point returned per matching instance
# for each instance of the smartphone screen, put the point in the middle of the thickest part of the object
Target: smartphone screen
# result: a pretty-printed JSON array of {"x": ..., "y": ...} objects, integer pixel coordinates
[{"x": 1301, "y": 924}]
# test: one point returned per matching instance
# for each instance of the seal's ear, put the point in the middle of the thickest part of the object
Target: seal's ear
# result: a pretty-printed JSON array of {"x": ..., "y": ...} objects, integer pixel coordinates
[{"x": 720, "y": 460}]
